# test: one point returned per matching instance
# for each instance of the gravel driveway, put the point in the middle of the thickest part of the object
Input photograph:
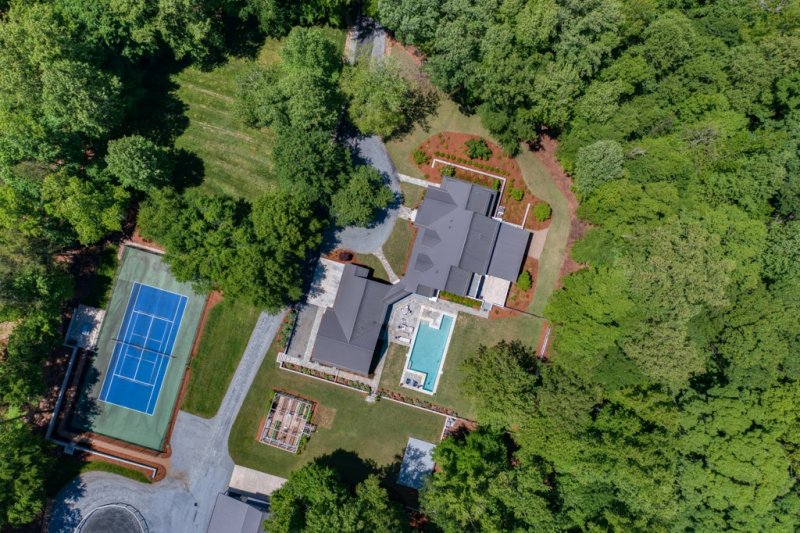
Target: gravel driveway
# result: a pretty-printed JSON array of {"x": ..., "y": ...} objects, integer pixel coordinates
[{"x": 200, "y": 467}]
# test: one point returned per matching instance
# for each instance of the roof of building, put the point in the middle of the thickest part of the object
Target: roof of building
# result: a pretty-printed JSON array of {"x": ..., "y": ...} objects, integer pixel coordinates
[
  {"x": 458, "y": 239},
  {"x": 234, "y": 516},
  {"x": 349, "y": 331},
  {"x": 417, "y": 463}
]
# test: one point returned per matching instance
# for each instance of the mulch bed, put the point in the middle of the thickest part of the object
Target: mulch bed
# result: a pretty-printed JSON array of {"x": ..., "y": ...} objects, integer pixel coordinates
[
  {"x": 518, "y": 301},
  {"x": 340, "y": 255},
  {"x": 450, "y": 146}
]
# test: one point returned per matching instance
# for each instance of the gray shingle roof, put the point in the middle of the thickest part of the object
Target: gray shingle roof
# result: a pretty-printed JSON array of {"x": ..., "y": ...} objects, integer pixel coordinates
[
  {"x": 349, "y": 331},
  {"x": 457, "y": 239},
  {"x": 234, "y": 516},
  {"x": 417, "y": 463}
]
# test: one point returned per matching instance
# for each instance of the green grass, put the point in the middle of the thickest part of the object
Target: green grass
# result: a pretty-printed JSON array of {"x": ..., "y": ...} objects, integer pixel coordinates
[
  {"x": 236, "y": 158},
  {"x": 542, "y": 186},
  {"x": 397, "y": 246},
  {"x": 68, "y": 467},
  {"x": 349, "y": 432},
  {"x": 447, "y": 118},
  {"x": 369, "y": 260},
  {"x": 412, "y": 194},
  {"x": 224, "y": 339},
  {"x": 102, "y": 281},
  {"x": 470, "y": 332}
]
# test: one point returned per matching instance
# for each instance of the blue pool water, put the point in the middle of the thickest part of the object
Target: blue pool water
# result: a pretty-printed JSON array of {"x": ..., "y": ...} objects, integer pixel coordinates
[{"x": 428, "y": 351}]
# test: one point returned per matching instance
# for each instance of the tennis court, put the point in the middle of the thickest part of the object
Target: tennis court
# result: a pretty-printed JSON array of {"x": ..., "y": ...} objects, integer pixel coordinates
[
  {"x": 143, "y": 348},
  {"x": 131, "y": 386}
]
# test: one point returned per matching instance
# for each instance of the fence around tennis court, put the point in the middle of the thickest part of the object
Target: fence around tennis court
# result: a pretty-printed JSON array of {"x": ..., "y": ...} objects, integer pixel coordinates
[{"x": 143, "y": 267}]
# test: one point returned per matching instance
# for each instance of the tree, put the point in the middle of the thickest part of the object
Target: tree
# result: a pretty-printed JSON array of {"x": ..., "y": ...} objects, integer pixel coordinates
[
  {"x": 781, "y": 258},
  {"x": 501, "y": 379},
  {"x": 138, "y": 163},
  {"x": 597, "y": 164},
  {"x": 31, "y": 341},
  {"x": 381, "y": 99},
  {"x": 313, "y": 499},
  {"x": 476, "y": 487},
  {"x": 93, "y": 209},
  {"x": 78, "y": 97},
  {"x": 361, "y": 197},
  {"x": 412, "y": 21},
  {"x": 24, "y": 466}
]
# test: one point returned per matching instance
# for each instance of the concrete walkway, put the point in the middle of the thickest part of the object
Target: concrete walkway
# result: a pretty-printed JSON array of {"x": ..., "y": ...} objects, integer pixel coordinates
[
  {"x": 200, "y": 465},
  {"x": 393, "y": 278},
  {"x": 416, "y": 181}
]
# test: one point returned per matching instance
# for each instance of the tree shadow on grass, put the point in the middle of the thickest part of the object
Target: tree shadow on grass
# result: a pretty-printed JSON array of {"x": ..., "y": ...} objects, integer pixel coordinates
[{"x": 350, "y": 468}]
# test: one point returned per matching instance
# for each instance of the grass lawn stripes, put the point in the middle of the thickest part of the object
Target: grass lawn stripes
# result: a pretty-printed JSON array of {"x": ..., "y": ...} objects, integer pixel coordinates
[{"x": 143, "y": 348}]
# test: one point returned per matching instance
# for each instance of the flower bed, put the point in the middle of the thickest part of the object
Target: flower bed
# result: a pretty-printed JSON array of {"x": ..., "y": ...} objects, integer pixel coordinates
[
  {"x": 451, "y": 147},
  {"x": 417, "y": 402},
  {"x": 363, "y": 387},
  {"x": 463, "y": 300}
]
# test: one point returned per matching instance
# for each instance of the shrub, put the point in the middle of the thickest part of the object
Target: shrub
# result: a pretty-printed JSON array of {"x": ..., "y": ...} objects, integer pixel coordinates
[
  {"x": 516, "y": 194},
  {"x": 420, "y": 157},
  {"x": 478, "y": 149},
  {"x": 463, "y": 300},
  {"x": 449, "y": 171},
  {"x": 542, "y": 212},
  {"x": 524, "y": 281},
  {"x": 496, "y": 185}
]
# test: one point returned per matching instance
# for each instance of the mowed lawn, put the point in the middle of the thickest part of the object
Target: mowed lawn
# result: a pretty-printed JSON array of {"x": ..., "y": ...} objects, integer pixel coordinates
[
  {"x": 470, "y": 332},
  {"x": 222, "y": 345},
  {"x": 539, "y": 182},
  {"x": 236, "y": 158},
  {"x": 349, "y": 430},
  {"x": 398, "y": 246},
  {"x": 371, "y": 261}
]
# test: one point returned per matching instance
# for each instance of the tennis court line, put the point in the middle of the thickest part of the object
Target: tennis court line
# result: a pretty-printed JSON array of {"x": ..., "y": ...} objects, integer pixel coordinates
[
  {"x": 183, "y": 300},
  {"x": 115, "y": 373},
  {"x": 104, "y": 391}
]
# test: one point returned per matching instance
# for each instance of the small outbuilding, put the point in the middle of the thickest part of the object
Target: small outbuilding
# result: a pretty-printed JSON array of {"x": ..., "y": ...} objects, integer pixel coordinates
[
  {"x": 417, "y": 464},
  {"x": 232, "y": 515}
]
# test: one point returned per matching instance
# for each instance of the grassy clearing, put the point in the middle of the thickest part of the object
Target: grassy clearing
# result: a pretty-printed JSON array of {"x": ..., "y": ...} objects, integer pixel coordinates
[
  {"x": 470, "y": 332},
  {"x": 349, "y": 433},
  {"x": 541, "y": 185},
  {"x": 369, "y": 260},
  {"x": 102, "y": 282},
  {"x": 412, "y": 194},
  {"x": 397, "y": 246},
  {"x": 224, "y": 339},
  {"x": 236, "y": 158}
]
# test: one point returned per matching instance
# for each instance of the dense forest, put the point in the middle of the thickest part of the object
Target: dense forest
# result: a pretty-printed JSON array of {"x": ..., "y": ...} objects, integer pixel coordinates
[
  {"x": 670, "y": 398},
  {"x": 669, "y": 401}
]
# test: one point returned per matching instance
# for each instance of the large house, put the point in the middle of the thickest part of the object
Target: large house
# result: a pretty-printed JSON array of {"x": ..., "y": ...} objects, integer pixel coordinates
[{"x": 460, "y": 248}]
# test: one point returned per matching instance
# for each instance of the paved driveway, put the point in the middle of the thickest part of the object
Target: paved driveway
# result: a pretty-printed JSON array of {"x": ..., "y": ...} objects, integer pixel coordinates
[
  {"x": 200, "y": 468},
  {"x": 371, "y": 151}
]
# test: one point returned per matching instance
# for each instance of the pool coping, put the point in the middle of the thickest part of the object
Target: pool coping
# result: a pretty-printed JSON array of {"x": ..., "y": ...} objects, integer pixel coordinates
[{"x": 444, "y": 354}]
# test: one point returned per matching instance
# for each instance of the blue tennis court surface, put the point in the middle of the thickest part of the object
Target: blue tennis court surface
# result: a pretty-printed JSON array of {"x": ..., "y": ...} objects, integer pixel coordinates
[{"x": 143, "y": 348}]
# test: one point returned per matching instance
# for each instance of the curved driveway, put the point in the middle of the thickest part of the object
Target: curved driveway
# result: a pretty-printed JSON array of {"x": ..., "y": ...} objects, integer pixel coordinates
[
  {"x": 200, "y": 465},
  {"x": 371, "y": 151}
]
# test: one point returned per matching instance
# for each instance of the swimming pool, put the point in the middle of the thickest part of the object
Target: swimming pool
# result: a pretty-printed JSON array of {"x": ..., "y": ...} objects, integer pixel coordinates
[{"x": 427, "y": 354}]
